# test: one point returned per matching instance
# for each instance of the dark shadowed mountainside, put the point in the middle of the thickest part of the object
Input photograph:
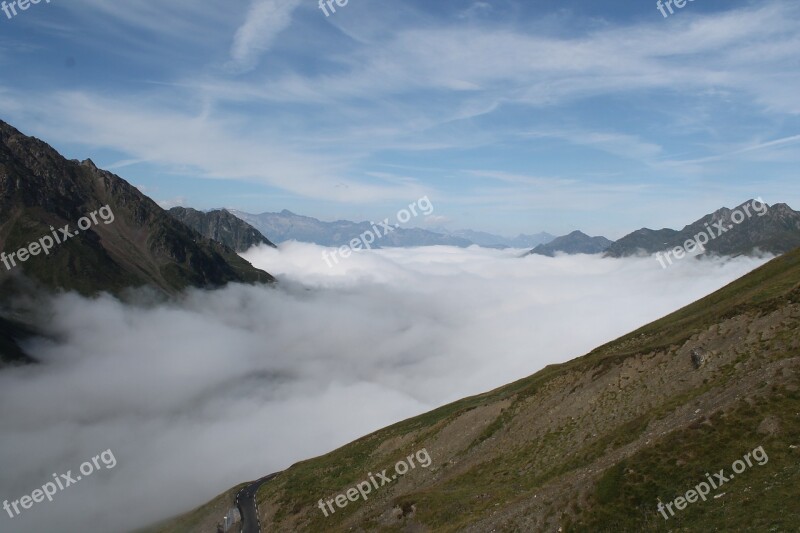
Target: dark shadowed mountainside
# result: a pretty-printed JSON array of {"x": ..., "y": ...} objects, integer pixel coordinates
[
  {"x": 131, "y": 242},
  {"x": 143, "y": 245},
  {"x": 11, "y": 332}
]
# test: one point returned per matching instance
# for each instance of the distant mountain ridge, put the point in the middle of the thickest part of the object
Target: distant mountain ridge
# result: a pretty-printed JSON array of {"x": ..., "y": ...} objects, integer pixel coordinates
[
  {"x": 750, "y": 227},
  {"x": 576, "y": 242},
  {"x": 775, "y": 231},
  {"x": 286, "y": 226},
  {"x": 489, "y": 240},
  {"x": 221, "y": 226}
]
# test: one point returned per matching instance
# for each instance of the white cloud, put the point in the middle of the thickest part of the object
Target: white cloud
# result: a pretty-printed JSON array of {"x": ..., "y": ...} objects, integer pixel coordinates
[
  {"x": 265, "y": 20},
  {"x": 197, "y": 396},
  {"x": 178, "y": 201},
  {"x": 628, "y": 146},
  {"x": 758, "y": 146},
  {"x": 697, "y": 53},
  {"x": 423, "y": 84},
  {"x": 203, "y": 145}
]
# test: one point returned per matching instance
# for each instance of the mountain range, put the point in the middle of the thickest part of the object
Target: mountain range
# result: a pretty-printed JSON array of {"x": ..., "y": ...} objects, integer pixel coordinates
[
  {"x": 774, "y": 229},
  {"x": 287, "y": 226},
  {"x": 771, "y": 229},
  {"x": 144, "y": 245},
  {"x": 752, "y": 227}
]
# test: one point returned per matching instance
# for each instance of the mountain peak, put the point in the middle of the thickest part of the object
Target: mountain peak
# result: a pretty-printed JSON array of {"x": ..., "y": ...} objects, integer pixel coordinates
[
  {"x": 578, "y": 233},
  {"x": 576, "y": 242},
  {"x": 140, "y": 245}
]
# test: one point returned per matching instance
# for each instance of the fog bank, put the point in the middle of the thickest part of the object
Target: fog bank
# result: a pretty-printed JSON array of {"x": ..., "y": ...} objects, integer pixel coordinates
[{"x": 196, "y": 396}]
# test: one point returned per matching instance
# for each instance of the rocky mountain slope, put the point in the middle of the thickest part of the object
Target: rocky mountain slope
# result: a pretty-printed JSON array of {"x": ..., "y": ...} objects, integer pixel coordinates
[
  {"x": 286, "y": 226},
  {"x": 126, "y": 240},
  {"x": 142, "y": 245},
  {"x": 758, "y": 226},
  {"x": 576, "y": 242},
  {"x": 595, "y": 444},
  {"x": 221, "y": 226}
]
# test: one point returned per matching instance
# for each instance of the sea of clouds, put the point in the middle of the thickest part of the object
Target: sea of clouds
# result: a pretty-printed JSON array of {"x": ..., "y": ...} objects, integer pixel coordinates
[{"x": 220, "y": 387}]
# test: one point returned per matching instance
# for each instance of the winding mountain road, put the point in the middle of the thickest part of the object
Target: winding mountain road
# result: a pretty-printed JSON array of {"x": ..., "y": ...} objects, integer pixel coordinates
[{"x": 246, "y": 503}]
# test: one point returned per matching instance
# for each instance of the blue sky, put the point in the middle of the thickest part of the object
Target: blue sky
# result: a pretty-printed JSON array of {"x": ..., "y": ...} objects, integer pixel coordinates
[{"x": 512, "y": 116}]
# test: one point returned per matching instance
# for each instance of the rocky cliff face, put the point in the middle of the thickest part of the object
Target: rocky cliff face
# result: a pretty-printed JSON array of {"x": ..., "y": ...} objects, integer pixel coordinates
[{"x": 222, "y": 227}]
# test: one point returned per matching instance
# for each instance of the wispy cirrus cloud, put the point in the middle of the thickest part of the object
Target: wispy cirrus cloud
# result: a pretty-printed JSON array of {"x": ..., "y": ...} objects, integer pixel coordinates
[
  {"x": 209, "y": 147},
  {"x": 623, "y": 145},
  {"x": 265, "y": 20},
  {"x": 759, "y": 150},
  {"x": 705, "y": 52},
  {"x": 321, "y": 111}
]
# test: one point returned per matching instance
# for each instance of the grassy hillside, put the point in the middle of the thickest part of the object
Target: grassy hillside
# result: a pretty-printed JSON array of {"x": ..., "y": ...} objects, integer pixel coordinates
[{"x": 595, "y": 443}]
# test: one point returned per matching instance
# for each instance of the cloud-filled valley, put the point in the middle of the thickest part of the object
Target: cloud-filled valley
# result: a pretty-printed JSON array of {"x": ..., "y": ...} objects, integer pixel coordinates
[{"x": 198, "y": 395}]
